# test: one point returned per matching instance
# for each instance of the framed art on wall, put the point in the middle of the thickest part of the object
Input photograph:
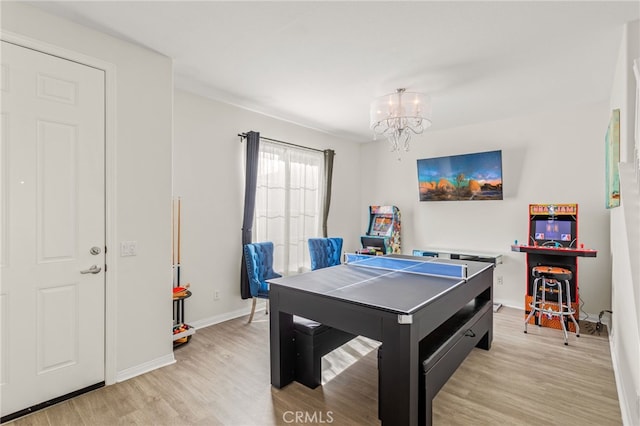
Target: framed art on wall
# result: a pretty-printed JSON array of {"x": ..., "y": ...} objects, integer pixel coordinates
[
  {"x": 612, "y": 158},
  {"x": 476, "y": 176}
]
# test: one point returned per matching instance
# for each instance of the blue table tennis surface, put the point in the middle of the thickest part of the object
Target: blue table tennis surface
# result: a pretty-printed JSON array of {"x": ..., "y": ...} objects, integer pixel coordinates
[{"x": 399, "y": 284}]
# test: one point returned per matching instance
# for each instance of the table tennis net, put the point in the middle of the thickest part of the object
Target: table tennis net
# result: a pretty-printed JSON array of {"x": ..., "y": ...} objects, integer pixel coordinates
[{"x": 413, "y": 266}]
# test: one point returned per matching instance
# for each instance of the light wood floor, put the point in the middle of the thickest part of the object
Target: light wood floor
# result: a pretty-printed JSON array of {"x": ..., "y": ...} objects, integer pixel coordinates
[{"x": 222, "y": 378}]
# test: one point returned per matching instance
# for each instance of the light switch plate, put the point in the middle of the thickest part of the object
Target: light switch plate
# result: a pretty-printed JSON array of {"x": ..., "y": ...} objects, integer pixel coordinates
[{"x": 128, "y": 248}]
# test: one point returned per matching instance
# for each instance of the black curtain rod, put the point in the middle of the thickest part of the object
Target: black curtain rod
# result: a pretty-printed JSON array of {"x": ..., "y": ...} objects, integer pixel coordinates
[{"x": 244, "y": 136}]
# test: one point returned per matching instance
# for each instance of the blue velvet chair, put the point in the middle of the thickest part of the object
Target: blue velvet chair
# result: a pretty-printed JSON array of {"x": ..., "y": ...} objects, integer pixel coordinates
[
  {"x": 259, "y": 261},
  {"x": 325, "y": 252}
]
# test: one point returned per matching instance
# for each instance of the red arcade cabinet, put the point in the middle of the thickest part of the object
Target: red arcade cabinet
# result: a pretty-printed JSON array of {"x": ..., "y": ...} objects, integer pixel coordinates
[{"x": 553, "y": 241}]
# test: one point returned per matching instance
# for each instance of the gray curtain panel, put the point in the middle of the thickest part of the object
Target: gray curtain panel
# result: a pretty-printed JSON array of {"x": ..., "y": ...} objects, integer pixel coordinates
[
  {"x": 253, "y": 146},
  {"x": 328, "y": 175}
]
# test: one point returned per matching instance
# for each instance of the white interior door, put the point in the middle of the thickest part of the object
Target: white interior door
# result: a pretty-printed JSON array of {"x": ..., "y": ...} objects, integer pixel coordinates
[{"x": 52, "y": 215}]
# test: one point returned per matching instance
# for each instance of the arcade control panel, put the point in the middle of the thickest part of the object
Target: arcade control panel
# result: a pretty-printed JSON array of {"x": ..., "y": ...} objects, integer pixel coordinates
[{"x": 555, "y": 250}]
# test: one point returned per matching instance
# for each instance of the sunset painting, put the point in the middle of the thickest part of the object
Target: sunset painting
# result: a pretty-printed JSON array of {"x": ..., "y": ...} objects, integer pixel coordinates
[{"x": 475, "y": 176}]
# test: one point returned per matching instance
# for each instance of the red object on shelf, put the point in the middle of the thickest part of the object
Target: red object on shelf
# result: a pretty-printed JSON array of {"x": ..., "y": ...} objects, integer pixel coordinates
[
  {"x": 180, "y": 288},
  {"x": 181, "y": 291}
]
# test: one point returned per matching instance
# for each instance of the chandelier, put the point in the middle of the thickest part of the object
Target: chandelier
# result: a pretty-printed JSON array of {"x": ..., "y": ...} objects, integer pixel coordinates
[{"x": 397, "y": 115}]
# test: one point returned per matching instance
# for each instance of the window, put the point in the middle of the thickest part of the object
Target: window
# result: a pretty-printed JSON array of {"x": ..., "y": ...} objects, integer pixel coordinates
[{"x": 288, "y": 203}]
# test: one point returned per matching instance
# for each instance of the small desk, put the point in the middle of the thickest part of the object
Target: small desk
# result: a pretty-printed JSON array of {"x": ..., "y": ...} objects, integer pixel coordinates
[{"x": 397, "y": 309}]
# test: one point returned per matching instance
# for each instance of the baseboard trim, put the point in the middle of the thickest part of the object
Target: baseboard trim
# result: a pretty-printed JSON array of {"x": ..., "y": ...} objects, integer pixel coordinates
[
  {"x": 624, "y": 407},
  {"x": 169, "y": 359},
  {"x": 589, "y": 317},
  {"x": 625, "y": 410},
  {"x": 217, "y": 319},
  {"x": 145, "y": 367}
]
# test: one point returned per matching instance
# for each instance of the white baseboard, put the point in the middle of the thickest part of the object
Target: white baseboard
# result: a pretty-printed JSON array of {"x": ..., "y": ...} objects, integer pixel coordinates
[
  {"x": 170, "y": 359},
  {"x": 145, "y": 367},
  {"x": 506, "y": 305},
  {"x": 584, "y": 316},
  {"x": 625, "y": 409},
  {"x": 217, "y": 319}
]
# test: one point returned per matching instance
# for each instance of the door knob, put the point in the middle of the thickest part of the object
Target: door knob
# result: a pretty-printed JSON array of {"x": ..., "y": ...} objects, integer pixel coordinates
[{"x": 93, "y": 270}]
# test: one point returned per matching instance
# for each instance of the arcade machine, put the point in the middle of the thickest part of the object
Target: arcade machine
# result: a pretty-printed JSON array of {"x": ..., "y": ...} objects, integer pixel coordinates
[
  {"x": 553, "y": 241},
  {"x": 383, "y": 233}
]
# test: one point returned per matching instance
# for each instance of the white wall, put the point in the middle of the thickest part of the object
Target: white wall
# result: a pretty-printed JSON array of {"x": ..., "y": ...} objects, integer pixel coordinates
[
  {"x": 142, "y": 178},
  {"x": 625, "y": 238},
  {"x": 208, "y": 163},
  {"x": 550, "y": 157}
]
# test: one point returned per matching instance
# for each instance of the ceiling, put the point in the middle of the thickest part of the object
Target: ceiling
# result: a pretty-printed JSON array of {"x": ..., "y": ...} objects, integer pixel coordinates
[{"x": 320, "y": 63}]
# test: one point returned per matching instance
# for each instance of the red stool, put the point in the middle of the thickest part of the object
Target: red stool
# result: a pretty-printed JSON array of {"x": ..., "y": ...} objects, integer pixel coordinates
[{"x": 552, "y": 277}]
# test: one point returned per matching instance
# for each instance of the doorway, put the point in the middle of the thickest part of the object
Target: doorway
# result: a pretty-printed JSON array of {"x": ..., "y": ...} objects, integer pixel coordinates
[{"x": 52, "y": 247}]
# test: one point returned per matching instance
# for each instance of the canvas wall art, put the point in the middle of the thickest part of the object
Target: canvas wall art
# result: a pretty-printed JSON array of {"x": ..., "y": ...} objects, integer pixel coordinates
[
  {"x": 476, "y": 176},
  {"x": 612, "y": 158}
]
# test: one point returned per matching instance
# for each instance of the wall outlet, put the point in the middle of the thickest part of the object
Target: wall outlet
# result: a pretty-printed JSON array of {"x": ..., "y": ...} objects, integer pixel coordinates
[
  {"x": 216, "y": 295},
  {"x": 499, "y": 280}
]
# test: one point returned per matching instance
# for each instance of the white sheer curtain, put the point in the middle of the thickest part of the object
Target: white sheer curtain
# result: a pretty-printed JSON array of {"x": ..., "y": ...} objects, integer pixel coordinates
[{"x": 288, "y": 205}]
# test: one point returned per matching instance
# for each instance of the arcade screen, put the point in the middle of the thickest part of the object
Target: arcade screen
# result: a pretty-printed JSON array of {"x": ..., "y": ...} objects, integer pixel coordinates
[
  {"x": 553, "y": 230},
  {"x": 476, "y": 176},
  {"x": 380, "y": 225}
]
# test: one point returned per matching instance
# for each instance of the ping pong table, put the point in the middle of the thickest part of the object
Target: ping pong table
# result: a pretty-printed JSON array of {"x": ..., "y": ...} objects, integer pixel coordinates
[{"x": 397, "y": 300}]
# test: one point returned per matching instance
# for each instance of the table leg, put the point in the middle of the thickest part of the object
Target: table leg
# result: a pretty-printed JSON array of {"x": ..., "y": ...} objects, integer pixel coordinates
[
  {"x": 487, "y": 339},
  {"x": 283, "y": 350},
  {"x": 399, "y": 374}
]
